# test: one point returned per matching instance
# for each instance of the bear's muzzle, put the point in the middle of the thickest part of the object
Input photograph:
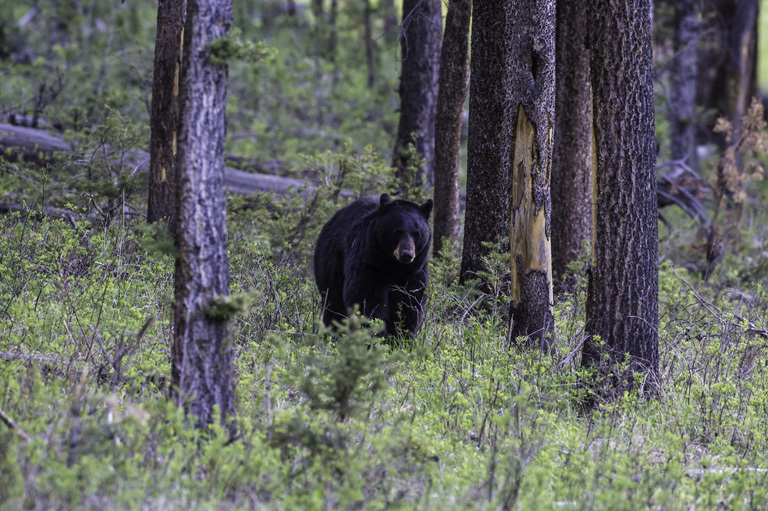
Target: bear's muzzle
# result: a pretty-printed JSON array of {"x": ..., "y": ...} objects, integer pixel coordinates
[{"x": 406, "y": 250}]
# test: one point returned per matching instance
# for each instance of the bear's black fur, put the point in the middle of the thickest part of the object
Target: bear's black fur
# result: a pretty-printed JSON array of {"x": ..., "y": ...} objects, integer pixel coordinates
[{"x": 373, "y": 253}]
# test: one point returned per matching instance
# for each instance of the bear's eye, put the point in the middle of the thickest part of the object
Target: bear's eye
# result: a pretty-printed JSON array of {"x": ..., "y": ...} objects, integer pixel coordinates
[
  {"x": 416, "y": 235},
  {"x": 398, "y": 232}
]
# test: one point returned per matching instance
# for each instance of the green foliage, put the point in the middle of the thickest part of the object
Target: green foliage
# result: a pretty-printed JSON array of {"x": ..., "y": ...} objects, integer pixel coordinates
[
  {"x": 290, "y": 226},
  {"x": 223, "y": 308},
  {"x": 412, "y": 175},
  {"x": 345, "y": 377},
  {"x": 455, "y": 420},
  {"x": 459, "y": 421},
  {"x": 233, "y": 47}
]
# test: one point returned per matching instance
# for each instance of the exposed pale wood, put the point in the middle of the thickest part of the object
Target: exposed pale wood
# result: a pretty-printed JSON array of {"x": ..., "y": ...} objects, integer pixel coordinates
[{"x": 531, "y": 89}]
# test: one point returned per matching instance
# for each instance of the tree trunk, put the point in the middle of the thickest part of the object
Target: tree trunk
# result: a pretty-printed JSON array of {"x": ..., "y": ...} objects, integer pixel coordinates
[
  {"x": 452, "y": 92},
  {"x": 727, "y": 77},
  {"x": 202, "y": 357},
  {"x": 571, "y": 158},
  {"x": 622, "y": 297},
  {"x": 165, "y": 108},
  {"x": 369, "y": 44},
  {"x": 531, "y": 64},
  {"x": 682, "y": 87},
  {"x": 390, "y": 16},
  {"x": 422, "y": 30},
  {"x": 332, "y": 36},
  {"x": 486, "y": 218}
]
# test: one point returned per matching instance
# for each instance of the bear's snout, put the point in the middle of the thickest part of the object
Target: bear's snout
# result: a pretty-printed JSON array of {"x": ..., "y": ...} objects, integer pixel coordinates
[{"x": 405, "y": 251}]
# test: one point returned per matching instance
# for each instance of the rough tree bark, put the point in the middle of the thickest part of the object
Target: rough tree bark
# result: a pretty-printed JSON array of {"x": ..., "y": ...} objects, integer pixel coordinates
[
  {"x": 531, "y": 64},
  {"x": 622, "y": 295},
  {"x": 202, "y": 358},
  {"x": 422, "y": 30},
  {"x": 452, "y": 92},
  {"x": 571, "y": 158},
  {"x": 165, "y": 108},
  {"x": 486, "y": 217}
]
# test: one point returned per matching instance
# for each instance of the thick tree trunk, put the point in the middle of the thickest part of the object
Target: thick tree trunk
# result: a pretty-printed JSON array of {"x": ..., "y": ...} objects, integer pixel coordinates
[
  {"x": 165, "y": 108},
  {"x": 202, "y": 357},
  {"x": 531, "y": 64},
  {"x": 452, "y": 92},
  {"x": 486, "y": 218},
  {"x": 682, "y": 87},
  {"x": 422, "y": 30},
  {"x": 571, "y": 158},
  {"x": 622, "y": 297}
]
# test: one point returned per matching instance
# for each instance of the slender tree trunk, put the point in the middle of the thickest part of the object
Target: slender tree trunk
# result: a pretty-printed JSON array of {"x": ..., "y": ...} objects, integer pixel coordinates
[
  {"x": 422, "y": 30},
  {"x": 486, "y": 218},
  {"x": 727, "y": 59},
  {"x": 622, "y": 297},
  {"x": 390, "y": 17},
  {"x": 332, "y": 36},
  {"x": 682, "y": 87},
  {"x": 571, "y": 158},
  {"x": 202, "y": 357},
  {"x": 532, "y": 90},
  {"x": 369, "y": 44},
  {"x": 165, "y": 108},
  {"x": 452, "y": 92},
  {"x": 742, "y": 82},
  {"x": 320, "y": 29}
]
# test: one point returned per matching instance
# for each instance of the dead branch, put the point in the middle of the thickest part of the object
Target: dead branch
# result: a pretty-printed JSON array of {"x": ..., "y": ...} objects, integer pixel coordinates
[
  {"x": 720, "y": 315},
  {"x": 13, "y": 426}
]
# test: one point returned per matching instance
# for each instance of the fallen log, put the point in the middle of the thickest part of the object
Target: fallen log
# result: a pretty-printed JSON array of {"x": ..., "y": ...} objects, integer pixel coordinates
[{"x": 39, "y": 145}]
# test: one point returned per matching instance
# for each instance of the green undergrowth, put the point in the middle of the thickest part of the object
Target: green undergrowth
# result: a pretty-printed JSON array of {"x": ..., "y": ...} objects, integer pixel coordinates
[{"x": 458, "y": 419}]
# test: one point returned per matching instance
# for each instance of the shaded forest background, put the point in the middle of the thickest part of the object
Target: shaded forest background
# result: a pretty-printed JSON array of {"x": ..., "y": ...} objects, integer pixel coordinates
[{"x": 460, "y": 419}]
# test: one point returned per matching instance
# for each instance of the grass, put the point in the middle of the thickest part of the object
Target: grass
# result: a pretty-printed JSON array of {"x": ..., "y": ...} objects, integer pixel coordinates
[{"x": 457, "y": 421}]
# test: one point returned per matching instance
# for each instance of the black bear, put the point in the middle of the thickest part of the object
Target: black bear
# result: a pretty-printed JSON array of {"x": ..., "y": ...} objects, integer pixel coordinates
[{"x": 373, "y": 253}]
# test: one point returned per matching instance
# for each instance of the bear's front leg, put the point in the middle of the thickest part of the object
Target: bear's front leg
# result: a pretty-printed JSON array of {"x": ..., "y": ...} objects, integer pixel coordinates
[
  {"x": 363, "y": 290},
  {"x": 407, "y": 304}
]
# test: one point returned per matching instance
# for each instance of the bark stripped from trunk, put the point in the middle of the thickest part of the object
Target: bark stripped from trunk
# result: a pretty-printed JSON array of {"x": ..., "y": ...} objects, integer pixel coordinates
[
  {"x": 452, "y": 92},
  {"x": 571, "y": 158},
  {"x": 532, "y": 89},
  {"x": 165, "y": 94},
  {"x": 202, "y": 357},
  {"x": 622, "y": 297},
  {"x": 422, "y": 30},
  {"x": 486, "y": 218}
]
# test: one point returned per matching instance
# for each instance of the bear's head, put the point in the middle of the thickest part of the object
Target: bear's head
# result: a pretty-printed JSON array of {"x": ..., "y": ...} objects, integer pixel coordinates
[{"x": 403, "y": 228}]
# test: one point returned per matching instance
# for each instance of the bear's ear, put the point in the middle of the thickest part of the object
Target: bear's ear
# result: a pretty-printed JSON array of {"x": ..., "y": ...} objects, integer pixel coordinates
[
  {"x": 426, "y": 208},
  {"x": 384, "y": 199}
]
